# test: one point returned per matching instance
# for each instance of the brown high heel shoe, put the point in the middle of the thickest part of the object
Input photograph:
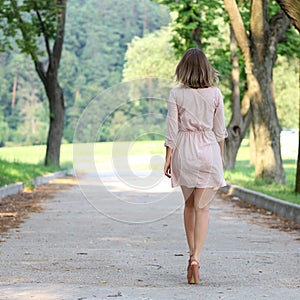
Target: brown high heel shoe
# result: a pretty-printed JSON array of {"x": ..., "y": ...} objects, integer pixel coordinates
[
  {"x": 189, "y": 270},
  {"x": 195, "y": 272}
]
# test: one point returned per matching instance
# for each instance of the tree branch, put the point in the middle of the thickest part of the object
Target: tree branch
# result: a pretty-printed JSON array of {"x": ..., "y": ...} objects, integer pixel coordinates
[
  {"x": 239, "y": 32},
  {"x": 279, "y": 24},
  {"x": 38, "y": 65},
  {"x": 44, "y": 33},
  {"x": 292, "y": 9},
  {"x": 41, "y": 72},
  {"x": 58, "y": 44},
  {"x": 235, "y": 77},
  {"x": 258, "y": 28}
]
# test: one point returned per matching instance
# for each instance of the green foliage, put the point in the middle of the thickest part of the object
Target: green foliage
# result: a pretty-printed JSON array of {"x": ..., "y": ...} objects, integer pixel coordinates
[
  {"x": 145, "y": 55},
  {"x": 194, "y": 20},
  {"x": 291, "y": 46},
  {"x": 96, "y": 38},
  {"x": 287, "y": 91},
  {"x": 95, "y": 44},
  {"x": 21, "y": 22}
]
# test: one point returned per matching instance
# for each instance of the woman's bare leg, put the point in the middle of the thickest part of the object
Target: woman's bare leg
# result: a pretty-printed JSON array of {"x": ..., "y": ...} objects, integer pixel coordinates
[
  {"x": 189, "y": 216},
  {"x": 202, "y": 198}
]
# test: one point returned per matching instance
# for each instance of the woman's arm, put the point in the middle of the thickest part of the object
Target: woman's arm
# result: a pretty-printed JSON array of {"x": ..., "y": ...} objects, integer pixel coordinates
[
  {"x": 219, "y": 127},
  {"x": 167, "y": 168},
  {"x": 221, "y": 145},
  {"x": 172, "y": 131}
]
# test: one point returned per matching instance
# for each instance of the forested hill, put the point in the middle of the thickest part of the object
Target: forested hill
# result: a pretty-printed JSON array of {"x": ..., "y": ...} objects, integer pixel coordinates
[{"x": 97, "y": 34}]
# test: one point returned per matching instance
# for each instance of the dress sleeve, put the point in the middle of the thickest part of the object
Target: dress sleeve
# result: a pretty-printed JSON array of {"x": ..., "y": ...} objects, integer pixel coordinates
[
  {"x": 172, "y": 122},
  {"x": 219, "y": 127}
]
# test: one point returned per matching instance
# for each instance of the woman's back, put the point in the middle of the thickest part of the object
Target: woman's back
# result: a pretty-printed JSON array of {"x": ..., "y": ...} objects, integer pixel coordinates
[{"x": 200, "y": 110}]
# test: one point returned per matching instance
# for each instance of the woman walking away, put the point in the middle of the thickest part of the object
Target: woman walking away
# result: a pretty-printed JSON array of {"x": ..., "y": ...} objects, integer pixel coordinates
[{"x": 195, "y": 147}]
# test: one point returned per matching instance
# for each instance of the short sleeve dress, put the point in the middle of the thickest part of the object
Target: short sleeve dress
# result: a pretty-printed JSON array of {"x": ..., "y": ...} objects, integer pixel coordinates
[{"x": 195, "y": 124}]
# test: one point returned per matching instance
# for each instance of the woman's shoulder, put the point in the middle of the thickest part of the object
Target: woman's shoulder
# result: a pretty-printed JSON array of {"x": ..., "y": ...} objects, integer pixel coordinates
[
  {"x": 213, "y": 90},
  {"x": 176, "y": 89},
  {"x": 186, "y": 88}
]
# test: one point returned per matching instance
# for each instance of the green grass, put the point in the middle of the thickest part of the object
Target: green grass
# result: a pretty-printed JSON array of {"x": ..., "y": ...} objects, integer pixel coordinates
[
  {"x": 25, "y": 163},
  {"x": 11, "y": 172},
  {"x": 34, "y": 154},
  {"x": 244, "y": 175}
]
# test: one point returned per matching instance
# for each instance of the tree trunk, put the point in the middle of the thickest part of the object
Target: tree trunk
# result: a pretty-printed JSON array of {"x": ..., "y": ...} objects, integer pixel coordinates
[
  {"x": 259, "y": 53},
  {"x": 266, "y": 132},
  {"x": 56, "y": 125},
  {"x": 266, "y": 129},
  {"x": 14, "y": 93},
  {"x": 252, "y": 147},
  {"x": 236, "y": 134},
  {"x": 53, "y": 90},
  {"x": 238, "y": 125}
]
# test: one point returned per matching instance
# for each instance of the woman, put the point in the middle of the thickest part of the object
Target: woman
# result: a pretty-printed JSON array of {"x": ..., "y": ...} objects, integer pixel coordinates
[{"x": 195, "y": 147}]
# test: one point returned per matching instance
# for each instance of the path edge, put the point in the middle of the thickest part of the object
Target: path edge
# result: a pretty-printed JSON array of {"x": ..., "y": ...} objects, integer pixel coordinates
[
  {"x": 284, "y": 209},
  {"x": 15, "y": 188}
]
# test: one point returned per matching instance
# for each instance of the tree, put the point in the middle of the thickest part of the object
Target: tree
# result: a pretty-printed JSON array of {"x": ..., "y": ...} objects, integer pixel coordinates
[
  {"x": 292, "y": 9},
  {"x": 145, "y": 55},
  {"x": 259, "y": 53},
  {"x": 31, "y": 24},
  {"x": 194, "y": 22}
]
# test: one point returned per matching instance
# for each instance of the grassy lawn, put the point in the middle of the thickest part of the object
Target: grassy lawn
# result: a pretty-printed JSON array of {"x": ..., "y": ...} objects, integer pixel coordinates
[
  {"x": 244, "y": 175},
  {"x": 11, "y": 172},
  {"x": 25, "y": 163}
]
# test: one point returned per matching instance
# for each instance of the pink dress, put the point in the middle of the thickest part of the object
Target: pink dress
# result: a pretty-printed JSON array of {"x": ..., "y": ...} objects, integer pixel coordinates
[{"x": 195, "y": 124}]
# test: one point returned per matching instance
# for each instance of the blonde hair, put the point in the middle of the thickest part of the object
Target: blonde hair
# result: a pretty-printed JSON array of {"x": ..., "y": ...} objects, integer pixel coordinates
[{"x": 195, "y": 71}]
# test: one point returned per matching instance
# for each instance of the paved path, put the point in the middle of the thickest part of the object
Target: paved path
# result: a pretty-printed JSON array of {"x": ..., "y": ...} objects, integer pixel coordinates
[{"x": 73, "y": 251}]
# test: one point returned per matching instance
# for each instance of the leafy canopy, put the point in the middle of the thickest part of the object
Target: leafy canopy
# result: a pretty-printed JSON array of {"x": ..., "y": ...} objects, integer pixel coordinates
[{"x": 26, "y": 22}]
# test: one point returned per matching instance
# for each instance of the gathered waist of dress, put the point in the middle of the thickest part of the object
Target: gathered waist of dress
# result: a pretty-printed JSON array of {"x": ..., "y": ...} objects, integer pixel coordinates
[{"x": 199, "y": 130}]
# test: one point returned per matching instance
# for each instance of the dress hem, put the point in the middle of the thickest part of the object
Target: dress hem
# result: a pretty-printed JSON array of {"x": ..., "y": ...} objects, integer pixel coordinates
[{"x": 199, "y": 187}]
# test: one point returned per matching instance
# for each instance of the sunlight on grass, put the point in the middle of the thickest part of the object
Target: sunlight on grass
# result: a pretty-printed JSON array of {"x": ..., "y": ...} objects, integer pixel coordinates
[
  {"x": 34, "y": 154},
  {"x": 11, "y": 172}
]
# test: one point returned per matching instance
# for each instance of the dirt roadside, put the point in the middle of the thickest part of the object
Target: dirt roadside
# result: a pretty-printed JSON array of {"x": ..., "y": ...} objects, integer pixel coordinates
[{"x": 14, "y": 209}]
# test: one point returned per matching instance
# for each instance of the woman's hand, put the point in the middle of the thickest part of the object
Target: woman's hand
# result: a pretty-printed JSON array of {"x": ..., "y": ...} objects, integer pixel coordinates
[{"x": 167, "y": 168}]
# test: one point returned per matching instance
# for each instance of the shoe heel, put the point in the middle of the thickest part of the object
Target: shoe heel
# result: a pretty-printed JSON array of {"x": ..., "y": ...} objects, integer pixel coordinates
[
  {"x": 195, "y": 276},
  {"x": 194, "y": 270},
  {"x": 192, "y": 280}
]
